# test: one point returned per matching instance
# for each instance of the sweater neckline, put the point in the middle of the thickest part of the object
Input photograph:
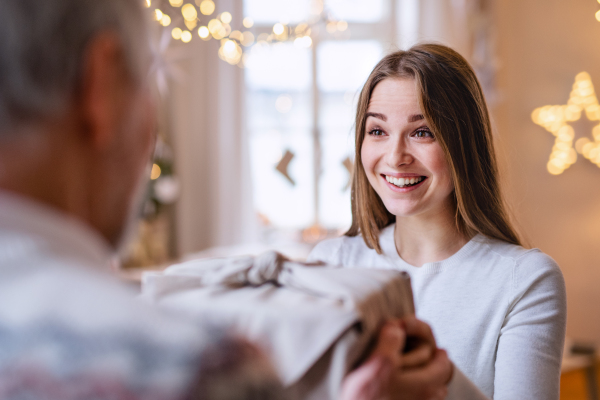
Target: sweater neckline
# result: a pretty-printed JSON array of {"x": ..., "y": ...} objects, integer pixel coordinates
[{"x": 388, "y": 245}]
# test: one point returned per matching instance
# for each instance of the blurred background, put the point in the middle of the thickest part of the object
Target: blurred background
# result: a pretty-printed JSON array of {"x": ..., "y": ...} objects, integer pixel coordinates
[{"x": 257, "y": 113}]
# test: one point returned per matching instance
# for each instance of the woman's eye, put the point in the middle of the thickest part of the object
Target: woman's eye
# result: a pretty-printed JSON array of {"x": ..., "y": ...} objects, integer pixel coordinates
[
  {"x": 376, "y": 132},
  {"x": 423, "y": 133}
]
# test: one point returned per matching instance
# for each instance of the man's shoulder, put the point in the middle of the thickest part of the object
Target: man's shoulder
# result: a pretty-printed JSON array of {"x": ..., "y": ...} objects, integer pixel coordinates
[{"x": 74, "y": 325}]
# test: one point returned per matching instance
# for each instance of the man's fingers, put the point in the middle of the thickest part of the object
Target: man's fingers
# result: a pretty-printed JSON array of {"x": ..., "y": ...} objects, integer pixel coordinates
[{"x": 436, "y": 374}]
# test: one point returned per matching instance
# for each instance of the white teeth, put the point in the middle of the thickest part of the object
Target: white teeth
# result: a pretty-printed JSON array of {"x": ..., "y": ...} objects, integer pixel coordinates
[{"x": 402, "y": 182}]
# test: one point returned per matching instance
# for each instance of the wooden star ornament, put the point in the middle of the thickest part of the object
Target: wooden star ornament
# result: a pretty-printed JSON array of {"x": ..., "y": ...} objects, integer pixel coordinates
[{"x": 556, "y": 119}]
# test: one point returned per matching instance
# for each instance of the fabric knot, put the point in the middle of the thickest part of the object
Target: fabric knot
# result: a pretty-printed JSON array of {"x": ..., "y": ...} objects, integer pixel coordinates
[{"x": 265, "y": 268}]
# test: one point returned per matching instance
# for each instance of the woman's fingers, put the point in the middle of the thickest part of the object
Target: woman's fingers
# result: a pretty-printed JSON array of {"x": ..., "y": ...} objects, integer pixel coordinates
[
  {"x": 427, "y": 382},
  {"x": 418, "y": 329},
  {"x": 390, "y": 343},
  {"x": 418, "y": 356},
  {"x": 370, "y": 381}
]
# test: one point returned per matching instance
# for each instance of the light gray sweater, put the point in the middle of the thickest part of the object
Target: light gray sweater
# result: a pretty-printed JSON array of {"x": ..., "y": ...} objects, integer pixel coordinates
[{"x": 498, "y": 309}]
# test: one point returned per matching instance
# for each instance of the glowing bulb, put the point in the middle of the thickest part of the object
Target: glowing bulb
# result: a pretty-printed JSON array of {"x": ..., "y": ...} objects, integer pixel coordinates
[
  {"x": 166, "y": 20},
  {"x": 229, "y": 47},
  {"x": 248, "y": 22},
  {"x": 203, "y": 32},
  {"x": 189, "y": 12},
  {"x": 226, "y": 17},
  {"x": 158, "y": 14},
  {"x": 148, "y": 3},
  {"x": 207, "y": 7},
  {"x": 278, "y": 28},
  {"x": 176, "y": 3},
  {"x": 186, "y": 36},
  {"x": 342, "y": 26},
  {"x": 155, "y": 173},
  {"x": 176, "y": 33},
  {"x": 598, "y": 15}
]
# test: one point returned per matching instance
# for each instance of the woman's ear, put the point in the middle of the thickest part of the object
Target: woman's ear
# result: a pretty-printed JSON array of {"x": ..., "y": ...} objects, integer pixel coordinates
[{"x": 103, "y": 89}]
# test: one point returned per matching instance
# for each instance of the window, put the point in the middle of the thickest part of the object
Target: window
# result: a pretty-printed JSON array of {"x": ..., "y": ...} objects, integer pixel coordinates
[{"x": 300, "y": 104}]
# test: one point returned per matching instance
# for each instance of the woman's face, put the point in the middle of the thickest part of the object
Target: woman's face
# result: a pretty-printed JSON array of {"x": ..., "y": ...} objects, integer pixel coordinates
[{"x": 404, "y": 162}]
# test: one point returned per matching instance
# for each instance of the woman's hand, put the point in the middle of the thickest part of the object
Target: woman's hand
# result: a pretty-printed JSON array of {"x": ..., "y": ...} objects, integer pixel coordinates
[{"x": 420, "y": 374}]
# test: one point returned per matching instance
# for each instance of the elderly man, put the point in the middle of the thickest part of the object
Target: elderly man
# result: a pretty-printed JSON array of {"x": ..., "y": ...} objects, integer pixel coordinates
[{"x": 76, "y": 135}]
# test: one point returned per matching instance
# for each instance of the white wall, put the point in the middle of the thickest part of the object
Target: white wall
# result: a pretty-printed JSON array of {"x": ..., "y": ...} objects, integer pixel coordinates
[{"x": 542, "y": 45}]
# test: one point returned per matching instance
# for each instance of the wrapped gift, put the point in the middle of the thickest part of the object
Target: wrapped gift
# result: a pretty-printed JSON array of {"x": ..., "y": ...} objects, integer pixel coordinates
[{"x": 315, "y": 322}]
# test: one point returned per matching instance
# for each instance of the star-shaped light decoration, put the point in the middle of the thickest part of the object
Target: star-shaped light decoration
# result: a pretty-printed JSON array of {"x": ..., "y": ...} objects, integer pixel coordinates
[{"x": 555, "y": 119}]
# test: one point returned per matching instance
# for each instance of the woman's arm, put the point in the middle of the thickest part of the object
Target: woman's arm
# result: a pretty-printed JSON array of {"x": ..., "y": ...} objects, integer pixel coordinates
[{"x": 531, "y": 340}]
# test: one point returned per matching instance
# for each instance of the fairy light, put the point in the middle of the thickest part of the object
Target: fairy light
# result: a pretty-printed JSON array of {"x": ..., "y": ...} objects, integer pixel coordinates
[
  {"x": 226, "y": 17},
  {"x": 248, "y": 22},
  {"x": 165, "y": 20},
  {"x": 189, "y": 12},
  {"x": 176, "y": 3},
  {"x": 158, "y": 14},
  {"x": 176, "y": 33},
  {"x": 148, "y": 3},
  {"x": 186, "y": 36},
  {"x": 207, "y": 7},
  {"x": 156, "y": 171},
  {"x": 555, "y": 119},
  {"x": 203, "y": 32},
  {"x": 278, "y": 28}
]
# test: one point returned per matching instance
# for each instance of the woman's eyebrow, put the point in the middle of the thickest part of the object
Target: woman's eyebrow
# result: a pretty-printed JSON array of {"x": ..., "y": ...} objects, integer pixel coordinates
[
  {"x": 415, "y": 118},
  {"x": 376, "y": 115}
]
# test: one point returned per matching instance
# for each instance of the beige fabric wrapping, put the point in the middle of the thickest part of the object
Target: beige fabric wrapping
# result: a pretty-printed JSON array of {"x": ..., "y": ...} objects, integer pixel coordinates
[{"x": 314, "y": 321}]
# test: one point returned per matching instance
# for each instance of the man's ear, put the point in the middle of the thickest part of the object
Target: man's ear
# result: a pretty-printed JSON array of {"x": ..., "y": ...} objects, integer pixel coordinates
[{"x": 103, "y": 89}]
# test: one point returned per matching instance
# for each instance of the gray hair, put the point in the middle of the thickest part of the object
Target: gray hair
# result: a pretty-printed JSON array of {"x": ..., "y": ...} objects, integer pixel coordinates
[{"x": 42, "y": 48}]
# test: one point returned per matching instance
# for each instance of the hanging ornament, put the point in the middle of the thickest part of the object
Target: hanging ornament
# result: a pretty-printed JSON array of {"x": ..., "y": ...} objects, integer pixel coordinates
[
  {"x": 556, "y": 119},
  {"x": 283, "y": 164},
  {"x": 349, "y": 165}
]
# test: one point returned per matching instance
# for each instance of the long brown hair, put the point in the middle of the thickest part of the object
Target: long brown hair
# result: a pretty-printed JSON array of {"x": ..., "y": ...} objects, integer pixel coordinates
[{"x": 454, "y": 107}]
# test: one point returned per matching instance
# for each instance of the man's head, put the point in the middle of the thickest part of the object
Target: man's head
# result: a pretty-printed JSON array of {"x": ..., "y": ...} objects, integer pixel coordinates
[{"x": 76, "y": 117}]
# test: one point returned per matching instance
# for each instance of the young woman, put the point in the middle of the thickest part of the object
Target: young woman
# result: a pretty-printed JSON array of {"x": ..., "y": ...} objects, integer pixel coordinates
[{"x": 426, "y": 199}]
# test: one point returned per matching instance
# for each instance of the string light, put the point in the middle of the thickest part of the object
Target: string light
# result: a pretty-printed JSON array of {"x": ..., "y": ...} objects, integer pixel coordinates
[
  {"x": 555, "y": 120},
  {"x": 220, "y": 29}
]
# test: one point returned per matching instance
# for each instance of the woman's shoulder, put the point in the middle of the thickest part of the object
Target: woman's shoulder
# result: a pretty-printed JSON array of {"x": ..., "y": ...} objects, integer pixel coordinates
[
  {"x": 530, "y": 266},
  {"x": 345, "y": 250}
]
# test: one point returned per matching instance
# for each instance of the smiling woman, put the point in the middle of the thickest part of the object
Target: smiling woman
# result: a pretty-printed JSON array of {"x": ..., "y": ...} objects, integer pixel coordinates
[{"x": 426, "y": 199}]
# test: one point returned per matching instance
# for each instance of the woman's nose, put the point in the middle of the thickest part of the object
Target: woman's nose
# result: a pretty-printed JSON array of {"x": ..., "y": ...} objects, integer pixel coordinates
[{"x": 398, "y": 153}]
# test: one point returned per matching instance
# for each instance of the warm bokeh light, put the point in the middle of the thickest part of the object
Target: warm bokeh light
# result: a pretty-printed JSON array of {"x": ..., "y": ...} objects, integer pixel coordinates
[
  {"x": 165, "y": 20},
  {"x": 203, "y": 32},
  {"x": 342, "y": 26},
  {"x": 555, "y": 120},
  {"x": 230, "y": 51},
  {"x": 598, "y": 15},
  {"x": 214, "y": 25},
  {"x": 331, "y": 27},
  {"x": 176, "y": 33},
  {"x": 207, "y": 7},
  {"x": 237, "y": 35},
  {"x": 226, "y": 17},
  {"x": 278, "y": 29},
  {"x": 155, "y": 173},
  {"x": 148, "y": 3},
  {"x": 176, "y": 3},
  {"x": 304, "y": 41},
  {"x": 158, "y": 14},
  {"x": 247, "y": 39},
  {"x": 186, "y": 36},
  {"x": 284, "y": 103},
  {"x": 189, "y": 12},
  {"x": 248, "y": 22}
]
